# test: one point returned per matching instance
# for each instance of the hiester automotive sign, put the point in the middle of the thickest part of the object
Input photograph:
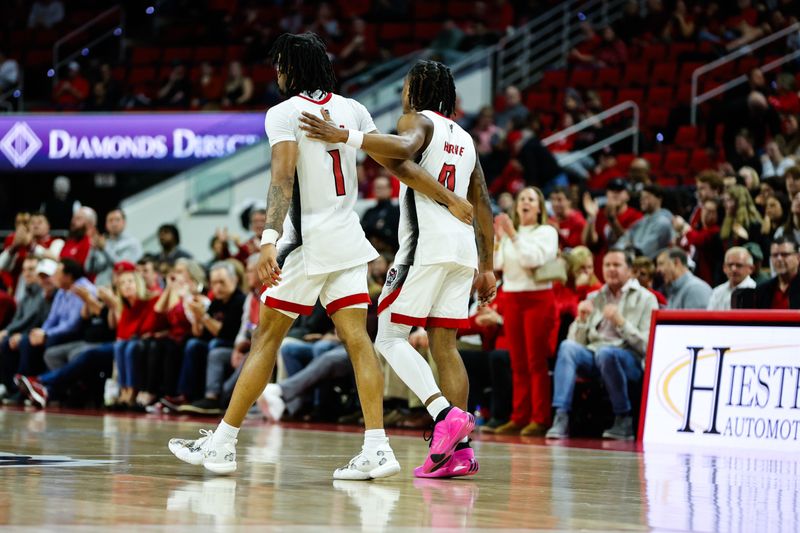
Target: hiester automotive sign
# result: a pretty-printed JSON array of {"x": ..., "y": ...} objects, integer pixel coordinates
[
  {"x": 119, "y": 142},
  {"x": 724, "y": 380}
]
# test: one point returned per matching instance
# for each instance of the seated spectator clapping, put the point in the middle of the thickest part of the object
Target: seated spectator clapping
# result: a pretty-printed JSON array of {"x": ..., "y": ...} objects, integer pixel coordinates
[{"x": 608, "y": 338}]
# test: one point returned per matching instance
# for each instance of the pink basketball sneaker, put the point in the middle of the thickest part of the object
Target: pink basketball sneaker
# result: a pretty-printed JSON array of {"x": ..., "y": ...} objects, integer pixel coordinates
[
  {"x": 447, "y": 432},
  {"x": 463, "y": 463}
]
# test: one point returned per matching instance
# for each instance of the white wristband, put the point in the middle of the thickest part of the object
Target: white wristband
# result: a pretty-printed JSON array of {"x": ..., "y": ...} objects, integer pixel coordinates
[
  {"x": 355, "y": 139},
  {"x": 269, "y": 236}
]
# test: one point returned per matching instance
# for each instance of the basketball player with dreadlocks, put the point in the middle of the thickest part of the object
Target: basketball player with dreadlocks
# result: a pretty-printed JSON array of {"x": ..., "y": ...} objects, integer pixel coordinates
[
  {"x": 322, "y": 253},
  {"x": 430, "y": 282}
]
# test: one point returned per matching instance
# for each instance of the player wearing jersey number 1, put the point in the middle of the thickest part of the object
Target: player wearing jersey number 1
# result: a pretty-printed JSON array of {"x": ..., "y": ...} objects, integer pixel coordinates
[
  {"x": 430, "y": 282},
  {"x": 313, "y": 248}
]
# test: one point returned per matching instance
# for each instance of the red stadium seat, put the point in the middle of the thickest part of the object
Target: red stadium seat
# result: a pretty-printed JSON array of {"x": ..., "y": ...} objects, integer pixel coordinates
[
  {"x": 700, "y": 160},
  {"x": 635, "y": 75},
  {"x": 624, "y": 161},
  {"x": 685, "y": 74},
  {"x": 182, "y": 54},
  {"x": 39, "y": 58},
  {"x": 427, "y": 10},
  {"x": 637, "y": 95},
  {"x": 581, "y": 78},
  {"x": 554, "y": 79},
  {"x": 746, "y": 64},
  {"x": 654, "y": 158},
  {"x": 606, "y": 97},
  {"x": 145, "y": 55},
  {"x": 654, "y": 52},
  {"x": 660, "y": 97},
  {"x": 234, "y": 53},
  {"x": 263, "y": 74},
  {"x": 608, "y": 77},
  {"x": 664, "y": 74},
  {"x": 687, "y": 137},
  {"x": 393, "y": 32},
  {"x": 212, "y": 54},
  {"x": 403, "y": 48},
  {"x": 676, "y": 162},
  {"x": 656, "y": 117},
  {"x": 138, "y": 75},
  {"x": 679, "y": 50},
  {"x": 426, "y": 31},
  {"x": 539, "y": 101}
]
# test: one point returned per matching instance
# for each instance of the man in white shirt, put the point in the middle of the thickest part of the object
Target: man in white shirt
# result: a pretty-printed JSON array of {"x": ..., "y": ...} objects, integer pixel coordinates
[{"x": 738, "y": 266}]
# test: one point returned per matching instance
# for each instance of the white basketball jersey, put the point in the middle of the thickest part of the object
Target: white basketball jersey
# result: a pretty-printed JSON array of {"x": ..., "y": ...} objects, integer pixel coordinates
[
  {"x": 321, "y": 218},
  {"x": 428, "y": 233}
]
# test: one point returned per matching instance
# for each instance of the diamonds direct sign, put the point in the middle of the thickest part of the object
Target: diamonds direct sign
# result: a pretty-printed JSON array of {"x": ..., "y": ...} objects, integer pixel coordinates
[{"x": 119, "y": 142}]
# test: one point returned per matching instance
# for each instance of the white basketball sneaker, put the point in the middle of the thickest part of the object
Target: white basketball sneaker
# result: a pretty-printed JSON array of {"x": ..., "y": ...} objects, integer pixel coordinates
[
  {"x": 370, "y": 464},
  {"x": 219, "y": 458}
]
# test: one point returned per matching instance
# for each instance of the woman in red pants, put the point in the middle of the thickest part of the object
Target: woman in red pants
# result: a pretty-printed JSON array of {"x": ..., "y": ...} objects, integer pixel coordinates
[{"x": 525, "y": 244}]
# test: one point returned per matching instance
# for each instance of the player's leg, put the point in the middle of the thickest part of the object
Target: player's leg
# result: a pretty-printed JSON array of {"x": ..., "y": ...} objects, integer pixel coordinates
[
  {"x": 297, "y": 292},
  {"x": 412, "y": 306},
  {"x": 352, "y": 331},
  {"x": 259, "y": 365},
  {"x": 448, "y": 312},
  {"x": 345, "y": 298}
]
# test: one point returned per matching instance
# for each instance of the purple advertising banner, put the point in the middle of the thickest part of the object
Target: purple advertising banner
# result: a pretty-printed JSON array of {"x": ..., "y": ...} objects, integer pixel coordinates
[{"x": 122, "y": 142}]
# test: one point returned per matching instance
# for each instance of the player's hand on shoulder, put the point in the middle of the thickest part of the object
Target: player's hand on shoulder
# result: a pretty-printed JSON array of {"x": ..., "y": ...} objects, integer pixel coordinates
[
  {"x": 322, "y": 128},
  {"x": 269, "y": 273}
]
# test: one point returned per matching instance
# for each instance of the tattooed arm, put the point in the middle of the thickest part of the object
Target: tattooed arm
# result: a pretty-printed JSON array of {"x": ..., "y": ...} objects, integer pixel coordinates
[
  {"x": 478, "y": 196},
  {"x": 279, "y": 198}
]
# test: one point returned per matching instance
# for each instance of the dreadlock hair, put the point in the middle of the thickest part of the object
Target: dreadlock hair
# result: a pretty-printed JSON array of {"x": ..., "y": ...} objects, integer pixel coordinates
[
  {"x": 305, "y": 62},
  {"x": 431, "y": 87}
]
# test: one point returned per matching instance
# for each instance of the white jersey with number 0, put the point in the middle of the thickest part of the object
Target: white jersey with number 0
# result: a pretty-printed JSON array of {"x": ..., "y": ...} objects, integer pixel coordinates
[
  {"x": 428, "y": 233},
  {"x": 321, "y": 218}
]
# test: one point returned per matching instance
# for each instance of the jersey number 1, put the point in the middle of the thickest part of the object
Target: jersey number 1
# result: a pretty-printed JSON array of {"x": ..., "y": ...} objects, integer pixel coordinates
[
  {"x": 338, "y": 175},
  {"x": 447, "y": 176}
]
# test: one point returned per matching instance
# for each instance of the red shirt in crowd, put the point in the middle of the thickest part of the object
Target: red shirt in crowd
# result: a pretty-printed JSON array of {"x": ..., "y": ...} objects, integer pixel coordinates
[
  {"x": 77, "y": 250},
  {"x": 67, "y": 100},
  {"x": 780, "y": 299},
  {"x": 11, "y": 278},
  {"x": 178, "y": 325},
  {"x": 570, "y": 229},
  {"x": 136, "y": 319},
  {"x": 708, "y": 250}
]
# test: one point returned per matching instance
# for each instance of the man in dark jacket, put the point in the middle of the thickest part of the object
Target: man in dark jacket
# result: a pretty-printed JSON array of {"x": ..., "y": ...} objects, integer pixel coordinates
[{"x": 782, "y": 291}]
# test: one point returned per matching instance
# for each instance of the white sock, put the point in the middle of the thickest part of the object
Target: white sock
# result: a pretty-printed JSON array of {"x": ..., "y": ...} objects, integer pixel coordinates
[
  {"x": 410, "y": 366},
  {"x": 374, "y": 439},
  {"x": 225, "y": 432},
  {"x": 437, "y": 406}
]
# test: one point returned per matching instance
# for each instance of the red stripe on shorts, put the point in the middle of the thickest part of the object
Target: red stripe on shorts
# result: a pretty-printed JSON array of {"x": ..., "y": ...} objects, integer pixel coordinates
[
  {"x": 453, "y": 323},
  {"x": 386, "y": 302},
  {"x": 289, "y": 306},
  {"x": 406, "y": 320},
  {"x": 347, "y": 301}
]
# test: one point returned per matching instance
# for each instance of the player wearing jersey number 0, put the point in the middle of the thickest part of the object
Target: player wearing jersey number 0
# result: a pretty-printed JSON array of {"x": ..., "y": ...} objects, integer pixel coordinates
[
  {"x": 322, "y": 253},
  {"x": 430, "y": 282}
]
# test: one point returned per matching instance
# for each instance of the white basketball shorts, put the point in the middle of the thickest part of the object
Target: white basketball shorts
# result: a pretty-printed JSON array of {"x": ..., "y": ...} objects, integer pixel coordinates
[
  {"x": 428, "y": 295},
  {"x": 297, "y": 292}
]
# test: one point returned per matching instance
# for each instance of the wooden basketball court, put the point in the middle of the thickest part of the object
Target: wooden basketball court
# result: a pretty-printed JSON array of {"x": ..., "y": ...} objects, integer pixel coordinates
[{"x": 64, "y": 471}]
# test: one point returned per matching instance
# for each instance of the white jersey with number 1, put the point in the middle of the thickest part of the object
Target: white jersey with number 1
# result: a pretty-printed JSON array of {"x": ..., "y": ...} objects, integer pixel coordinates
[
  {"x": 428, "y": 233},
  {"x": 321, "y": 220}
]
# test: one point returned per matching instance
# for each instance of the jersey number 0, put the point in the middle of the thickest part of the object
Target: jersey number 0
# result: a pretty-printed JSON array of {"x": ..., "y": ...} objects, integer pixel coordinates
[
  {"x": 338, "y": 175},
  {"x": 447, "y": 176}
]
